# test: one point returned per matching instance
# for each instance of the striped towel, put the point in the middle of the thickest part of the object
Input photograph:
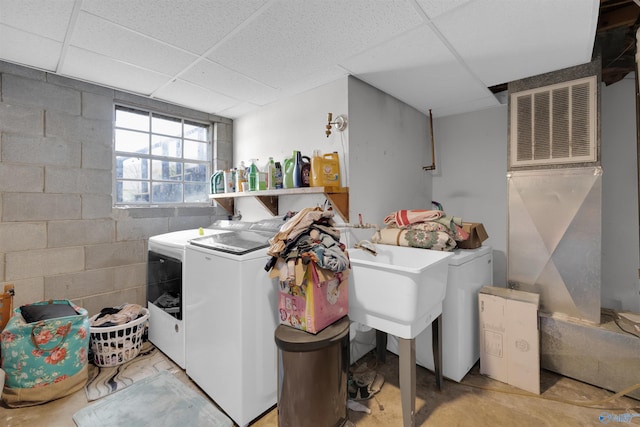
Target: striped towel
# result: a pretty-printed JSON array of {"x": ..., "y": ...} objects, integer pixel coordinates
[{"x": 404, "y": 218}]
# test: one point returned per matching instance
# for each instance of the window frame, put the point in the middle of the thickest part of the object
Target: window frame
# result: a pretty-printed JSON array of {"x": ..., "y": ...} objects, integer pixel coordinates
[{"x": 150, "y": 156}]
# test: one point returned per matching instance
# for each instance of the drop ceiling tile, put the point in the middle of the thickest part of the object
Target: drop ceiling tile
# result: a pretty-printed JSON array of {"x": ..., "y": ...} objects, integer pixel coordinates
[
  {"x": 184, "y": 93},
  {"x": 312, "y": 81},
  {"x": 415, "y": 48},
  {"x": 28, "y": 49},
  {"x": 462, "y": 105},
  {"x": 434, "y": 8},
  {"x": 91, "y": 67},
  {"x": 45, "y": 18},
  {"x": 238, "y": 110},
  {"x": 107, "y": 39},
  {"x": 295, "y": 39},
  {"x": 192, "y": 25},
  {"x": 503, "y": 41},
  {"x": 227, "y": 82},
  {"x": 418, "y": 69}
]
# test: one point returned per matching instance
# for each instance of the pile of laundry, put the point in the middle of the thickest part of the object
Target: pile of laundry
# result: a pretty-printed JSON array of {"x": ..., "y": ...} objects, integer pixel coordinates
[
  {"x": 421, "y": 228},
  {"x": 113, "y": 316},
  {"x": 307, "y": 236}
]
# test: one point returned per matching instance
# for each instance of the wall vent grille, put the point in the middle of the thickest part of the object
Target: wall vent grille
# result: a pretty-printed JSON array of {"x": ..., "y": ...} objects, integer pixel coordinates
[{"x": 554, "y": 124}]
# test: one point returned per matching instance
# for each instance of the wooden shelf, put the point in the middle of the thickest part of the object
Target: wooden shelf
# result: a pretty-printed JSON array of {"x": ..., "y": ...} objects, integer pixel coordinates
[{"x": 338, "y": 196}]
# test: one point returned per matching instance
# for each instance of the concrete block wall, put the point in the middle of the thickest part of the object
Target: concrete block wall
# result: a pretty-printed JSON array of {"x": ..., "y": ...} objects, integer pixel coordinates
[{"x": 60, "y": 236}]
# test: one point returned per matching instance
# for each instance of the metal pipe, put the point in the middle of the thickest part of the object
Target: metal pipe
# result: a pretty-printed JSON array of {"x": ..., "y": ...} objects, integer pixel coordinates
[
  {"x": 433, "y": 150},
  {"x": 637, "y": 56}
]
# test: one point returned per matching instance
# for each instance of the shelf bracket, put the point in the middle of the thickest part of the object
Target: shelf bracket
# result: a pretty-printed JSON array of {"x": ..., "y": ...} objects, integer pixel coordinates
[
  {"x": 340, "y": 202},
  {"x": 270, "y": 203},
  {"x": 227, "y": 204}
]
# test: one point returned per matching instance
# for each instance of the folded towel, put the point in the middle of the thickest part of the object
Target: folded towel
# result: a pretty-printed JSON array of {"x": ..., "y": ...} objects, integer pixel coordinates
[
  {"x": 404, "y": 218},
  {"x": 417, "y": 238}
]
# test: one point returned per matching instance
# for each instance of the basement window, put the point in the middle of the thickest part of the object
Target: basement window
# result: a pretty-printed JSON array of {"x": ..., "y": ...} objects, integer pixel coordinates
[{"x": 160, "y": 159}]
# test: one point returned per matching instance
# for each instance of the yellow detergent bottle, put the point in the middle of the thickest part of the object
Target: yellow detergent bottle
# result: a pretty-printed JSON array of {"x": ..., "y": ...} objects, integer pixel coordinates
[
  {"x": 316, "y": 169},
  {"x": 329, "y": 170}
]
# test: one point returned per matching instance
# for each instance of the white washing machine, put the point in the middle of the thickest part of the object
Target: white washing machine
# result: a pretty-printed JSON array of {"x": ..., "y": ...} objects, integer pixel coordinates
[
  {"x": 469, "y": 270},
  {"x": 232, "y": 307},
  {"x": 165, "y": 277}
]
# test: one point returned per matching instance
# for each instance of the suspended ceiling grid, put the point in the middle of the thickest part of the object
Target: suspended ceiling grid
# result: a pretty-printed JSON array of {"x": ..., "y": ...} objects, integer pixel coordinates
[{"x": 229, "y": 57}]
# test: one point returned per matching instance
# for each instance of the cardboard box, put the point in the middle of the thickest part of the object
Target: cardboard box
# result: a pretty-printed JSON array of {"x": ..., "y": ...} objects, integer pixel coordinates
[
  {"x": 477, "y": 235},
  {"x": 315, "y": 301},
  {"x": 510, "y": 337}
]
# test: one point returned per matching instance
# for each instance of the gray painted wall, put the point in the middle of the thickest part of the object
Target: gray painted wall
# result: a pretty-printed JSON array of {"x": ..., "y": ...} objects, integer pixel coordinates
[
  {"x": 470, "y": 176},
  {"x": 620, "y": 243}
]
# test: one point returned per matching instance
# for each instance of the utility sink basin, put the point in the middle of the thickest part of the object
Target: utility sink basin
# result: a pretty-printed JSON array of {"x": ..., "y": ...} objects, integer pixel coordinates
[{"x": 398, "y": 291}]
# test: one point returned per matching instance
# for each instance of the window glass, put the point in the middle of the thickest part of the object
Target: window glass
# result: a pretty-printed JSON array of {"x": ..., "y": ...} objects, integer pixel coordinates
[
  {"x": 132, "y": 168},
  {"x": 166, "y": 147},
  {"x": 133, "y": 191},
  {"x": 195, "y": 172},
  {"x": 195, "y": 150},
  {"x": 193, "y": 192},
  {"x": 167, "y": 192},
  {"x": 160, "y": 159},
  {"x": 132, "y": 142},
  {"x": 166, "y": 170},
  {"x": 196, "y": 131},
  {"x": 128, "y": 118},
  {"x": 166, "y": 125}
]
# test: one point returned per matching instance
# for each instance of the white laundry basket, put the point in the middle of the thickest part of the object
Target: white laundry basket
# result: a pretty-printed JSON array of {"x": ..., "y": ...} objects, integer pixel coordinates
[{"x": 115, "y": 345}]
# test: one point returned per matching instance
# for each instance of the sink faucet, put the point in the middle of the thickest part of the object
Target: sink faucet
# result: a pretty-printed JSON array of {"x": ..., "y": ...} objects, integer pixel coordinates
[
  {"x": 367, "y": 246},
  {"x": 375, "y": 238}
]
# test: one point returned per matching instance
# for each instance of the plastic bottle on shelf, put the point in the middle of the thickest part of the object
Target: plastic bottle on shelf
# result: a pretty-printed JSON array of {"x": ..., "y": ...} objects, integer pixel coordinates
[
  {"x": 240, "y": 176},
  {"x": 254, "y": 176},
  {"x": 297, "y": 169},
  {"x": 316, "y": 169},
  {"x": 217, "y": 182},
  {"x": 229, "y": 181},
  {"x": 271, "y": 174},
  {"x": 278, "y": 176},
  {"x": 305, "y": 172},
  {"x": 287, "y": 175},
  {"x": 330, "y": 170}
]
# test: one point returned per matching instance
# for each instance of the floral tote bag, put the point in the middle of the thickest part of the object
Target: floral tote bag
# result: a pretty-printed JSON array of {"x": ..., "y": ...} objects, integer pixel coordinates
[{"x": 44, "y": 357}]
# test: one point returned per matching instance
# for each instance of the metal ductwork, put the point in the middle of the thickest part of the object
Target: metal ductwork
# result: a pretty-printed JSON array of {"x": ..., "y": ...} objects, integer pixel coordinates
[{"x": 554, "y": 186}]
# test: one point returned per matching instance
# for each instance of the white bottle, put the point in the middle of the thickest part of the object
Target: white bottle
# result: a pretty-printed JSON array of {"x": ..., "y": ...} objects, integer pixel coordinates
[{"x": 241, "y": 176}]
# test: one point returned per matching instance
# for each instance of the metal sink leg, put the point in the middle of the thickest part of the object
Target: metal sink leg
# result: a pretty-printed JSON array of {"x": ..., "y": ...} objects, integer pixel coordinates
[{"x": 407, "y": 350}]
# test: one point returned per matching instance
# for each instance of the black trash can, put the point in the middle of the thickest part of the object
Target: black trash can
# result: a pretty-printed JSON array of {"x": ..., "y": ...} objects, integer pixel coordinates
[{"x": 312, "y": 375}]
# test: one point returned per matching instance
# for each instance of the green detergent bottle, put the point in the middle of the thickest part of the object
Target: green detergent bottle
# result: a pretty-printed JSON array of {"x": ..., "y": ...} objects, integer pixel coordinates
[
  {"x": 289, "y": 166},
  {"x": 217, "y": 182},
  {"x": 254, "y": 177}
]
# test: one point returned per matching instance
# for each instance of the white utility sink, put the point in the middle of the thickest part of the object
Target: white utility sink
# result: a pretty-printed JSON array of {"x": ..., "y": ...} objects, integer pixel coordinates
[{"x": 400, "y": 290}]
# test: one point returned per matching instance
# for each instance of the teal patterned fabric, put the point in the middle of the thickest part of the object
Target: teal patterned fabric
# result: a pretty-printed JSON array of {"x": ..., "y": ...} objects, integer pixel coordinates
[{"x": 45, "y": 352}]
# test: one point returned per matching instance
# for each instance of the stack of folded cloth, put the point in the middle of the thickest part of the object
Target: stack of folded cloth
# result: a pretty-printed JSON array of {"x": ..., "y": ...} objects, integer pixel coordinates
[{"x": 421, "y": 228}]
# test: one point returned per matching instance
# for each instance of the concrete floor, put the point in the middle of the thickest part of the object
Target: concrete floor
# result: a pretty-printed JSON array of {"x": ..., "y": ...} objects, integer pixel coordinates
[{"x": 476, "y": 401}]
